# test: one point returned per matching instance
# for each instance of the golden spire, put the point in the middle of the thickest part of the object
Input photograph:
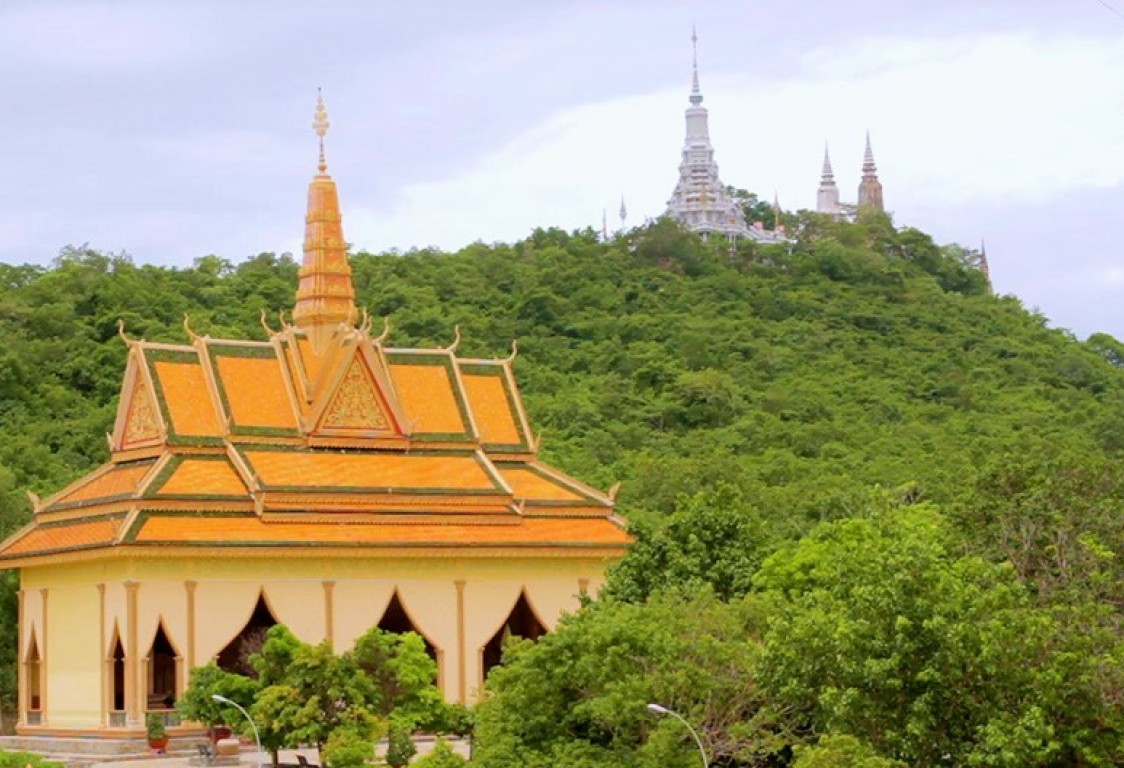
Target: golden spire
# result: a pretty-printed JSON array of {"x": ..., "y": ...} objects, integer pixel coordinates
[
  {"x": 325, "y": 296},
  {"x": 320, "y": 124}
]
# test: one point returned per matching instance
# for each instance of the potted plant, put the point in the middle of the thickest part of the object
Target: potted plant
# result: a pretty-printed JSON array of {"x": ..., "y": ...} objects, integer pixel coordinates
[{"x": 157, "y": 732}]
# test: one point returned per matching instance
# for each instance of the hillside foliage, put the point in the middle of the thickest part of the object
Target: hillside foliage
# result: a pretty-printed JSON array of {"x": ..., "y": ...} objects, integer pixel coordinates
[{"x": 773, "y": 413}]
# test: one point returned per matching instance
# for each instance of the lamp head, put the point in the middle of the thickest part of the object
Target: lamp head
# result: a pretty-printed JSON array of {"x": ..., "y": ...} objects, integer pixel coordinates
[
  {"x": 221, "y": 699},
  {"x": 657, "y": 709}
]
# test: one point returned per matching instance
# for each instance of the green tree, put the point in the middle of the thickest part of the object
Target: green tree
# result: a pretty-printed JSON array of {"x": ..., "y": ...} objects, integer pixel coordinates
[
  {"x": 880, "y": 630},
  {"x": 579, "y": 695},
  {"x": 197, "y": 702},
  {"x": 403, "y": 675}
]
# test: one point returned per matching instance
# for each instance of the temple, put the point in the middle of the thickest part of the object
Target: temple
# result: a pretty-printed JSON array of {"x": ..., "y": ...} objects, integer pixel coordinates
[
  {"x": 319, "y": 478},
  {"x": 700, "y": 201}
]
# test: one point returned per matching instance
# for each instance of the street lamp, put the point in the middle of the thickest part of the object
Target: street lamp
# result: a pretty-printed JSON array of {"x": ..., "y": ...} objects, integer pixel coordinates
[
  {"x": 257, "y": 738},
  {"x": 657, "y": 709}
]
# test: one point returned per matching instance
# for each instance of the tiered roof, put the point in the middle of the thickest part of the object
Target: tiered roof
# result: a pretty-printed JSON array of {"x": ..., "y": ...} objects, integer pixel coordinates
[{"x": 321, "y": 436}]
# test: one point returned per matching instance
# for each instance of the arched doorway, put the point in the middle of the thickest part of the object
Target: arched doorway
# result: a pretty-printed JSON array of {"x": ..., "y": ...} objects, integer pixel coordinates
[
  {"x": 521, "y": 622},
  {"x": 34, "y": 682},
  {"x": 235, "y": 657},
  {"x": 117, "y": 662},
  {"x": 395, "y": 619},
  {"x": 163, "y": 688}
]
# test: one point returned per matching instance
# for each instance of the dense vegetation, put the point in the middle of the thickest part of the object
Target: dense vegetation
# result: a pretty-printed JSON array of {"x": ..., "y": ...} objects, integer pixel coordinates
[{"x": 877, "y": 508}]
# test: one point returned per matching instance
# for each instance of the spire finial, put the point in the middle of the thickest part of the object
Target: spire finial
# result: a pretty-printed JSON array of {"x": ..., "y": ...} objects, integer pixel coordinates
[
  {"x": 320, "y": 124},
  {"x": 868, "y": 158},
  {"x": 696, "y": 94},
  {"x": 828, "y": 174}
]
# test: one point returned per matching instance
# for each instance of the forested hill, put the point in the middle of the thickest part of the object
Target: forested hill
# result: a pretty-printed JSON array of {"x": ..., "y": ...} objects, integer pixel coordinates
[
  {"x": 802, "y": 376},
  {"x": 877, "y": 509}
]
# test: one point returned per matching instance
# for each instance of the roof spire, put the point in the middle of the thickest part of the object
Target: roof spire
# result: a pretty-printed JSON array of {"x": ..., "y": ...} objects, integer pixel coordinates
[
  {"x": 870, "y": 188},
  {"x": 696, "y": 94},
  {"x": 320, "y": 124},
  {"x": 325, "y": 295},
  {"x": 868, "y": 159},
  {"x": 828, "y": 175}
]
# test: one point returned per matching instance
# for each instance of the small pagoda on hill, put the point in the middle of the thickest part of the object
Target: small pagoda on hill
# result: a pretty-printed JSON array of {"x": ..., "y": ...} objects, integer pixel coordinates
[{"x": 320, "y": 479}]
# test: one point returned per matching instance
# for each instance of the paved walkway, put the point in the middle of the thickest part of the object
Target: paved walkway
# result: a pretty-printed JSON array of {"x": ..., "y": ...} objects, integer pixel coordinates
[{"x": 249, "y": 758}]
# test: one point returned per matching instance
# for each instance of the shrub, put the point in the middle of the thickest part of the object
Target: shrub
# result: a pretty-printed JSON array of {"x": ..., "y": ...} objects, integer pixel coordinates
[
  {"x": 348, "y": 748},
  {"x": 24, "y": 759},
  {"x": 442, "y": 756}
]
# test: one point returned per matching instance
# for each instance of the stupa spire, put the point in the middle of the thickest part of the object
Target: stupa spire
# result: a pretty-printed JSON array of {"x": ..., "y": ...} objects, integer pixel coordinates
[
  {"x": 827, "y": 176},
  {"x": 870, "y": 188},
  {"x": 869, "y": 169},
  {"x": 827, "y": 196},
  {"x": 325, "y": 295},
  {"x": 696, "y": 92}
]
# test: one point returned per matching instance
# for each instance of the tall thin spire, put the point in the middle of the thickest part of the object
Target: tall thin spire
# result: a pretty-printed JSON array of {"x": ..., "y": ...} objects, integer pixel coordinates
[
  {"x": 870, "y": 188},
  {"x": 985, "y": 269},
  {"x": 325, "y": 295},
  {"x": 869, "y": 169},
  {"x": 696, "y": 93},
  {"x": 827, "y": 196},
  {"x": 623, "y": 212}
]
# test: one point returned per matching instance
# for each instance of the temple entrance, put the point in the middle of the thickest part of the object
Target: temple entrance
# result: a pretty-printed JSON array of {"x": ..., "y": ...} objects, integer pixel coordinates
[
  {"x": 162, "y": 688},
  {"x": 521, "y": 622},
  {"x": 395, "y": 619},
  {"x": 235, "y": 657},
  {"x": 118, "y": 663},
  {"x": 34, "y": 678}
]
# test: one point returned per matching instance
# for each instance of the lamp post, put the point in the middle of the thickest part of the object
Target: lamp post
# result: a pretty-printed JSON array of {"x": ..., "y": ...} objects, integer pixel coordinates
[
  {"x": 657, "y": 709},
  {"x": 257, "y": 738}
]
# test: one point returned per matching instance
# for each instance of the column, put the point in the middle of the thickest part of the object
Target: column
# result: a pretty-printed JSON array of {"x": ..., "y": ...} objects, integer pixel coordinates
[
  {"x": 329, "y": 613},
  {"x": 44, "y": 655},
  {"x": 103, "y": 678},
  {"x": 21, "y": 662},
  {"x": 133, "y": 708},
  {"x": 462, "y": 679}
]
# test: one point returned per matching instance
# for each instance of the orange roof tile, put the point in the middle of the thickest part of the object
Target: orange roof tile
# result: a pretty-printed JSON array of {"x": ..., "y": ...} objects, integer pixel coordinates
[
  {"x": 255, "y": 391},
  {"x": 312, "y": 362},
  {"x": 529, "y": 531},
  {"x": 56, "y": 537},
  {"x": 119, "y": 481},
  {"x": 203, "y": 477},
  {"x": 294, "y": 469},
  {"x": 491, "y": 410},
  {"x": 425, "y": 393},
  {"x": 186, "y": 394},
  {"x": 532, "y": 486}
]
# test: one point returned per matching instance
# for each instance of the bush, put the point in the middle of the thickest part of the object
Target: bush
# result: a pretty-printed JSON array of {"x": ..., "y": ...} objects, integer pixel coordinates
[
  {"x": 399, "y": 745},
  {"x": 24, "y": 759},
  {"x": 347, "y": 748},
  {"x": 442, "y": 756}
]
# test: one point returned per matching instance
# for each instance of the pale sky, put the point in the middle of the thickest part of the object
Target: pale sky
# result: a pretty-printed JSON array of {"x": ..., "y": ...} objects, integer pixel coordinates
[{"x": 172, "y": 130}]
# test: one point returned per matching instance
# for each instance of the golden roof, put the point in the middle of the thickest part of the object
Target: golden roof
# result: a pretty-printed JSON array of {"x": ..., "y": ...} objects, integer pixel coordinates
[{"x": 319, "y": 436}]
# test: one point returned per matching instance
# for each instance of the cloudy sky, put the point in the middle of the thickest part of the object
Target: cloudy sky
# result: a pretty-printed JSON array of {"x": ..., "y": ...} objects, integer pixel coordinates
[{"x": 172, "y": 130}]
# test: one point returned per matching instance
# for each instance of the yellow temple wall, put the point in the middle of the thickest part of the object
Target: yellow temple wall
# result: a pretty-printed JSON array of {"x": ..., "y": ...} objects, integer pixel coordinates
[
  {"x": 204, "y": 602},
  {"x": 73, "y": 667}
]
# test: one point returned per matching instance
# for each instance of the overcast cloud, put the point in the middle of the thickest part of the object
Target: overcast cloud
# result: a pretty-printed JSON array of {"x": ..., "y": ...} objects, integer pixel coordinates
[{"x": 174, "y": 130}]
